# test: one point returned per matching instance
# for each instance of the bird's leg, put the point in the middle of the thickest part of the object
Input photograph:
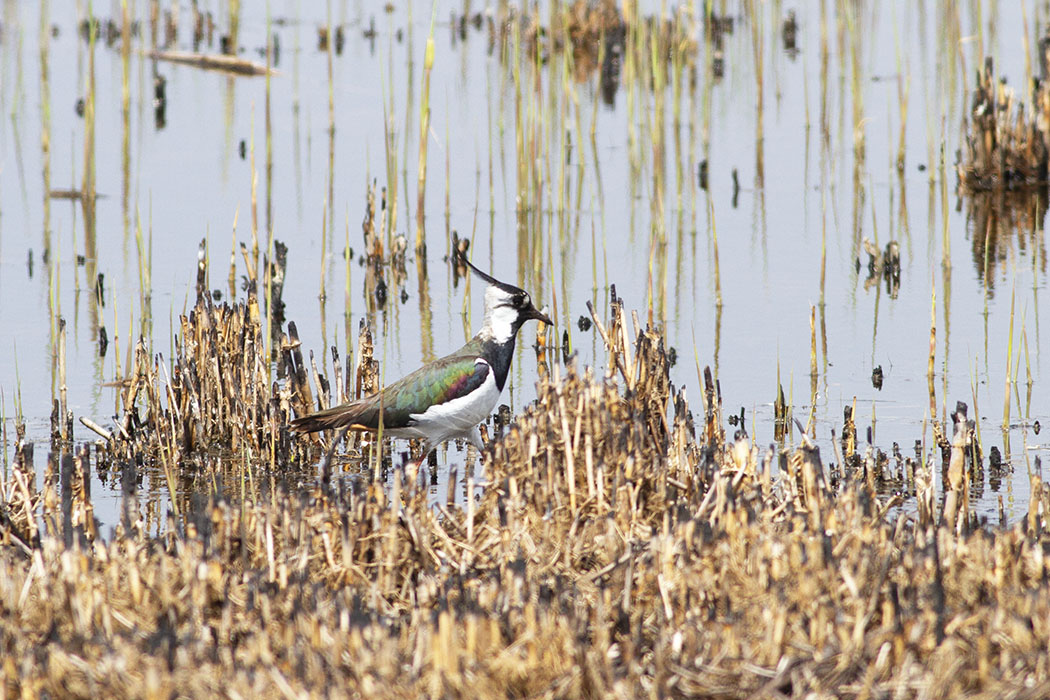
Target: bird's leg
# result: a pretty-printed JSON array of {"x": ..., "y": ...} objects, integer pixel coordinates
[
  {"x": 326, "y": 463},
  {"x": 410, "y": 470},
  {"x": 475, "y": 439},
  {"x": 414, "y": 466}
]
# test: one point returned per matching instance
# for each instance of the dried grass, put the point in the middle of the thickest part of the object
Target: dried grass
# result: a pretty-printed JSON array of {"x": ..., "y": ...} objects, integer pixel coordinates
[
  {"x": 1005, "y": 144},
  {"x": 596, "y": 33},
  {"x": 619, "y": 546}
]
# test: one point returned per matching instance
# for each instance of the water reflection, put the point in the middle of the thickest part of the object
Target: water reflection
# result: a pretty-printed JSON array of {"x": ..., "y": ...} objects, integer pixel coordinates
[{"x": 1004, "y": 225}]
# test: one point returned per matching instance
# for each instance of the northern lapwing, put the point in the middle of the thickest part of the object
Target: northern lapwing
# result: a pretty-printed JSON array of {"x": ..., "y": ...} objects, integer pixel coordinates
[{"x": 449, "y": 397}]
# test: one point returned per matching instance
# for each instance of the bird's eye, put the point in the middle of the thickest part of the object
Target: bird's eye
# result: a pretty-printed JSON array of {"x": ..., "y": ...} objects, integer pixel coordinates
[{"x": 519, "y": 300}]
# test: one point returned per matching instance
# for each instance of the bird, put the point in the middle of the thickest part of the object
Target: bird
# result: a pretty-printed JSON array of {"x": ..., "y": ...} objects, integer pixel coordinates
[{"x": 447, "y": 398}]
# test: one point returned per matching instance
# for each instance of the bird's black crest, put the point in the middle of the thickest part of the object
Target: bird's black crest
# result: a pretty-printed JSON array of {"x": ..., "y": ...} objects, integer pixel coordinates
[{"x": 508, "y": 288}]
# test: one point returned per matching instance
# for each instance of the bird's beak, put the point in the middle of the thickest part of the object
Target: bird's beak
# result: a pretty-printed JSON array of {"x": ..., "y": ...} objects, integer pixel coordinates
[{"x": 534, "y": 313}]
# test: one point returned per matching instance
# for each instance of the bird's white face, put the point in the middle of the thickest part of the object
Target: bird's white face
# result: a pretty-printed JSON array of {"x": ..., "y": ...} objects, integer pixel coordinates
[{"x": 502, "y": 311}]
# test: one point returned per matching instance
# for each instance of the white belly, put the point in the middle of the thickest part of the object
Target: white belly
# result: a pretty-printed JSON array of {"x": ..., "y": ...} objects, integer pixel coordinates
[{"x": 457, "y": 418}]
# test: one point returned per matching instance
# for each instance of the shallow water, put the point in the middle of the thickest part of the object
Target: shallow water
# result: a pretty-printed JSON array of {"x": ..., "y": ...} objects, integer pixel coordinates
[{"x": 613, "y": 199}]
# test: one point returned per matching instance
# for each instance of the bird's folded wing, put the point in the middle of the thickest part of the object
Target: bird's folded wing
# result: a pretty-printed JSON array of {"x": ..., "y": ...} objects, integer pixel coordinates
[{"x": 441, "y": 381}]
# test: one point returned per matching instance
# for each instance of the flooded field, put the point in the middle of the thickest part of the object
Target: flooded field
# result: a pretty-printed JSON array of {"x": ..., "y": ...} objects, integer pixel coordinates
[
  {"x": 725, "y": 190},
  {"x": 789, "y": 249}
]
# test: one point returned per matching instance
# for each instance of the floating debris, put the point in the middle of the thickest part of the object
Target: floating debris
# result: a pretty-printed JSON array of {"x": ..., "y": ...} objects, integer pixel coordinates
[
  {"x": 208, "y": 61},
  {"x": 66, "y": 194}
]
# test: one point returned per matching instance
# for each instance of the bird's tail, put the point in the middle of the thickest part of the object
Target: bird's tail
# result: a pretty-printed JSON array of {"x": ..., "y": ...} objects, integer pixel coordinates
[{"x": 331, "y": 418}]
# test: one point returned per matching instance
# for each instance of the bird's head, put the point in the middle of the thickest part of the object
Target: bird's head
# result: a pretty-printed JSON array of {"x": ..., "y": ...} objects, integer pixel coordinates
[{"x": 506, "y": 307}]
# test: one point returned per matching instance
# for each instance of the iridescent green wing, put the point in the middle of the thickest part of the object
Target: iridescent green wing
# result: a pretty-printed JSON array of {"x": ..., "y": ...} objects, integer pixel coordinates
[{"x": 438, "y": 382}]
